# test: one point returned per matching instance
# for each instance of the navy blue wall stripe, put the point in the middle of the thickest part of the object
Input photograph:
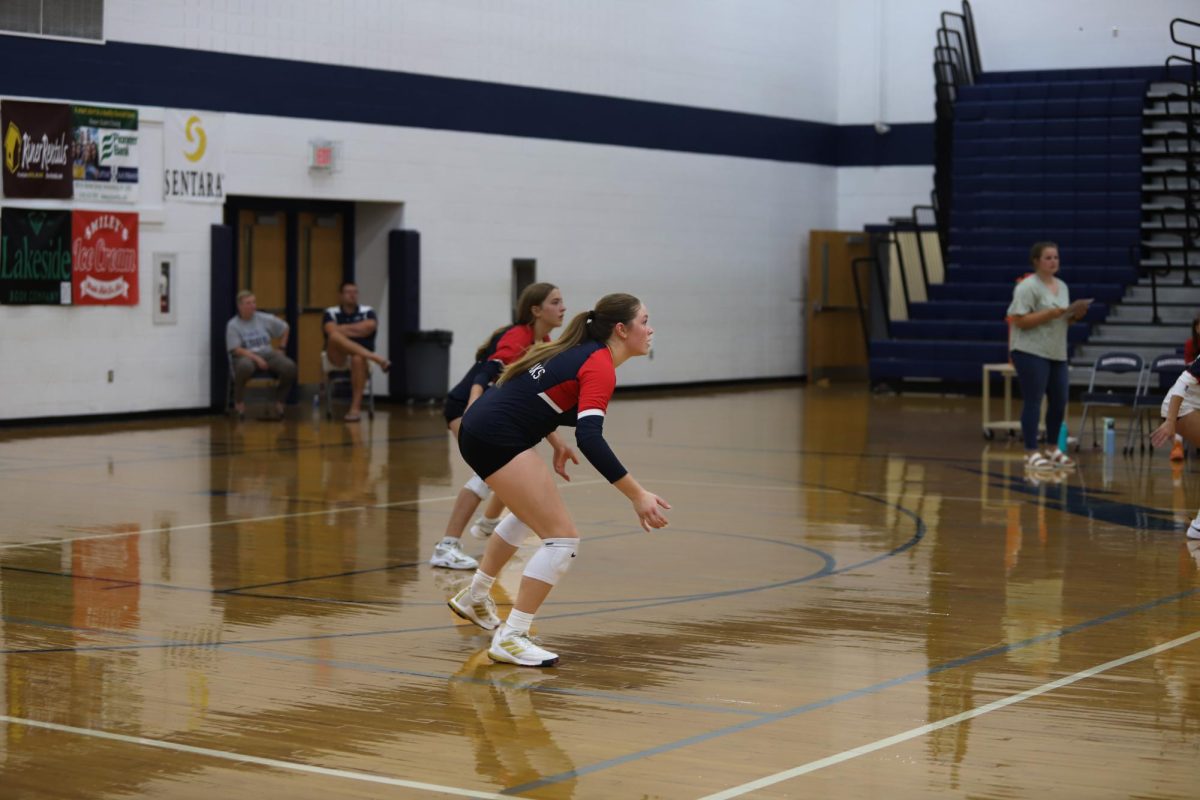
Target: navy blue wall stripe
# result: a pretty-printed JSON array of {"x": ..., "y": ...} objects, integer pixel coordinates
[{"x": 138, "y": 74}]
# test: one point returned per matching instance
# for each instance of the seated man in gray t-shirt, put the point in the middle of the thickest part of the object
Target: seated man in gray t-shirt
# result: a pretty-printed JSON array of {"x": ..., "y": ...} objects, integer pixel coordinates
[{"x": 248, "y": 339}]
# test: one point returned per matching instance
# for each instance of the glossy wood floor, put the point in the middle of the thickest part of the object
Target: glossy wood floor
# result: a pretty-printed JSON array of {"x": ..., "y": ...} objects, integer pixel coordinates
[{"x": 858, "y": 597}]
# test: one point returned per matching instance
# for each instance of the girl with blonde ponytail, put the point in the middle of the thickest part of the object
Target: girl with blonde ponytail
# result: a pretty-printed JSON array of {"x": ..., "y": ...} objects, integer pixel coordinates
[
  {"x": 539, "y": 310},
  {"x": 569, "y": 382}
]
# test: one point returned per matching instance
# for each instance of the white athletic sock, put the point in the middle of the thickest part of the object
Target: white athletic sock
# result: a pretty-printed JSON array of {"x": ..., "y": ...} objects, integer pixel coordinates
[
  {"x": 518, "y": 621},
  {"x": 481, "y": 585}
]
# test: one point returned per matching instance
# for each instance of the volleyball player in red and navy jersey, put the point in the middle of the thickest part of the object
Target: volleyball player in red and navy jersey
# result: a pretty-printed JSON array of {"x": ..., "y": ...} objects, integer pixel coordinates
[
  {"x": 540, "y": 309},
  {"x": 568, "y": 382}
]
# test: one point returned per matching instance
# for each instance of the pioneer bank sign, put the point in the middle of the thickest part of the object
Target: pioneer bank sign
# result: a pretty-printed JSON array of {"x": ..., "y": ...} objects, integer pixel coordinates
[{"x": 194, "y": 157}]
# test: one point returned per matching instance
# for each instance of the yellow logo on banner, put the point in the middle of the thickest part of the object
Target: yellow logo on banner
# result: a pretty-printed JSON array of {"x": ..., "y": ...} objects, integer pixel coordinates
[
  {"x": 12, "y": 144},
  {"x": 193, "y": 124}
]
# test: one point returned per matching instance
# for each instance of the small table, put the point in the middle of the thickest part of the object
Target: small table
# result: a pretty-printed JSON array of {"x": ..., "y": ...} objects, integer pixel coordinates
[{"x": 1008, "y": 424}]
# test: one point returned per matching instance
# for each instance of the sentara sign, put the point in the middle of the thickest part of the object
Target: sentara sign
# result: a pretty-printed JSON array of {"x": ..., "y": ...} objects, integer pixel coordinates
[{"x": 194, "y": 156}]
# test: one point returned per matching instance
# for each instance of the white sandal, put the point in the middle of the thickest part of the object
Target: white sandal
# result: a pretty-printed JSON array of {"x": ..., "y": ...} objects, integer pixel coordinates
[
  {"x": 1038, "y": 462},
  {"x": 1060, "y": 459}
]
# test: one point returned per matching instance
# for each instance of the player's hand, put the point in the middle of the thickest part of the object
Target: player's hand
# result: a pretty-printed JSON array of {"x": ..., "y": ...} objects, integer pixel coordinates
[
  {"x": 649, "y": 508},
  {"x": 260, "y": 363},
  {"x": 561, "y": 456},
  {"x": 1163, "y": 433}
]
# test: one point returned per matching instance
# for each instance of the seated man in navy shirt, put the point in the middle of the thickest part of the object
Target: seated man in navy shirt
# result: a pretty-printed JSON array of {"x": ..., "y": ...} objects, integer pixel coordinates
[{"x": 350, "y": 343}]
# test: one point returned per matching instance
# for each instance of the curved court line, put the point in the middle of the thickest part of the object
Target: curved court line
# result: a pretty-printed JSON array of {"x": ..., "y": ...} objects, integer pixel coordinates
[
  {"x": 916, "y": 537},
  {"x": 241, "y": 758},
  {"x": 913, "y": 733},
  {"x": 853, "y": 694}
]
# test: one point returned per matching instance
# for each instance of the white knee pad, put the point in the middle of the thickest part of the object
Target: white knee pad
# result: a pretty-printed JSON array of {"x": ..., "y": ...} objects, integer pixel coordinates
[
  {"x": 512, "y": 530},
  {"x": 552, "y": 560},
  {"x": 477, "y": 485}
]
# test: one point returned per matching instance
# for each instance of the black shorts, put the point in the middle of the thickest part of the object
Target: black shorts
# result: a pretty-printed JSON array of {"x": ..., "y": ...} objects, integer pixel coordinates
[
  {"x": 453, "y": 409},
  {"x": 483, "y": 457}
]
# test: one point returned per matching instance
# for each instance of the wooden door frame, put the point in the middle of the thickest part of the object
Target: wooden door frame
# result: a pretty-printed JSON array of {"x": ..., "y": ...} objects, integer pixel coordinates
[{"x": 292, "y": 208}]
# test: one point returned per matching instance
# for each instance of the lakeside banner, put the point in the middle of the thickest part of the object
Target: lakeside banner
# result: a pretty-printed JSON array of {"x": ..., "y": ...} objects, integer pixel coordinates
[
  {"x": 37, "y": 149},
  {"x": 105, "y": 158},
  {"x": 104, "y": 258},
  {"x": 35, "y": 257},
  {"x": 194, "y": 156}
]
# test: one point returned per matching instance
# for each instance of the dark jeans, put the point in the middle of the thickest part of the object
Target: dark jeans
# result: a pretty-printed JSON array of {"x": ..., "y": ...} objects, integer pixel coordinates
[{"x": 1040, "y": 377}]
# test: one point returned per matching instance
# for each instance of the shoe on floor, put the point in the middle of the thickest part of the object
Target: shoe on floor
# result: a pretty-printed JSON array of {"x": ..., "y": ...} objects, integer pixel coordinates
[
  {"x": 449, "y": 554},
  {"x": 513, "y": 647},
  {"x": 482, "y": 613},
  {"x": 1193, "y": 530},
  {"x": 484, "y": 527}
]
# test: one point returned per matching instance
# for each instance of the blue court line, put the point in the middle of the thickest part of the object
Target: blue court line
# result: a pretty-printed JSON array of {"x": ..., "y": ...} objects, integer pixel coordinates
[
  {"x": 851, "y": 695},
  {"x": 359, "y": 666},
  {"x": 916, "y": 537}
]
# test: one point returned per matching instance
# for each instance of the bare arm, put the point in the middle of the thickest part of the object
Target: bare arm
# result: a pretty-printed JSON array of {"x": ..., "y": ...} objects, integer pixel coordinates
[
  {"x": 648, "y": 506},
  {"x": 1165, "y": 432},
  {"x": 1035, "y": 318}
]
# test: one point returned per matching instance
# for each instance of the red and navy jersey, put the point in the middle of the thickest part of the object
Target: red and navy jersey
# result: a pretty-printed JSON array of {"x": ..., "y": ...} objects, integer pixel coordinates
[
  {"x": 462, "y": 390},
  {"x": 512, "y": 345},
  {"x": 572, "y": 388}
]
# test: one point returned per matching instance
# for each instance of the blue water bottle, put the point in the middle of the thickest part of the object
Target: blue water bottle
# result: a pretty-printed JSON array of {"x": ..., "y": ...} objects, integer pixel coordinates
[
  {"x": 1110, "y": 436},
  {"x": 1062, "y": 437}
]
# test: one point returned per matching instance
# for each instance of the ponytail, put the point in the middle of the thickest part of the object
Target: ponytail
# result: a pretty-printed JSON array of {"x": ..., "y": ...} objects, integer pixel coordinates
[{"x": 596, "y": 325}]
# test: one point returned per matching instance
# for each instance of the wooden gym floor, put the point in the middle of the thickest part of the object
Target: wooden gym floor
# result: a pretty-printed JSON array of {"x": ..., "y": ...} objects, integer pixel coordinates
[{"x": 858, "y": 597}]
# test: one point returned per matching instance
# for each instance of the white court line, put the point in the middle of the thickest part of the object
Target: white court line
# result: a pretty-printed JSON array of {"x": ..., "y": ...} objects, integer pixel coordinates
[
  {"x": 245, "y": 759},
  {"x": 219, "y": 523},
  {"x": 846, "y": 755}
]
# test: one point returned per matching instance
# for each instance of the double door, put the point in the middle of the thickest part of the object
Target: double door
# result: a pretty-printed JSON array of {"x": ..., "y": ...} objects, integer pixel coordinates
[{"x": 294, "y": 257}]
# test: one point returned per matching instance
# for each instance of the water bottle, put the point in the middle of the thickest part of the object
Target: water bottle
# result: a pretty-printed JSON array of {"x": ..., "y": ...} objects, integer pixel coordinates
[
  {"x": 316, "y": 404},
  {"x": 1062, "y": 437},
  {"x": 1110, "y": 436}
]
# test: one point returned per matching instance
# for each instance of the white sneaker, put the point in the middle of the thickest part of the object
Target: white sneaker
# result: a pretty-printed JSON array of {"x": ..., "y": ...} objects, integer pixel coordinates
[
  {"x": 484, "y": 527},
  {"x": 482, "y": 613},
  {"x": 1193, "y": 530},
  {"x": 451, "y": 556},
  {"x": 1060, "y": 459},
  {"x": 514, "y": 647}
]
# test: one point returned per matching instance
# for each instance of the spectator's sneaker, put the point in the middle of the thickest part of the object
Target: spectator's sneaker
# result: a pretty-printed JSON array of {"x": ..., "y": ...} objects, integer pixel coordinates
[
  {"x": 513, "y": 647},
  {"x": 1177, "y": 452},
  {"x": 451, "y": 556},
  {"x": 482, "y": 613},
  {"x": 484, "y": 527},
  {"x": 1194, "y": 530}
]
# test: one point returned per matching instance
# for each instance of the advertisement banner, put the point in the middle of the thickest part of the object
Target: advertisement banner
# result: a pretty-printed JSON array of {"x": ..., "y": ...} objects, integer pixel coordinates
[
  {"x": 105, "y": 153},
  {"x": 35, "y": 257},
  {"x": 104, "y": 254},
  {"x": 194, "y": 156},
  {"x": 37, "y": 149}
]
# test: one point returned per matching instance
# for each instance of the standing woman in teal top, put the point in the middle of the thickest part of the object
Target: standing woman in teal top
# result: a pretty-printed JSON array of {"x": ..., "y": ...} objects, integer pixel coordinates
[{"x": 1041, "y": 311}]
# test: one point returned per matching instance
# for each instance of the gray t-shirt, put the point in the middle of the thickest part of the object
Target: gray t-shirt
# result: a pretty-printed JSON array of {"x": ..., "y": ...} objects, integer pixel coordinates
[
  {"x": 1048, "y": 340},
  {"x": 254, "y": 334}
]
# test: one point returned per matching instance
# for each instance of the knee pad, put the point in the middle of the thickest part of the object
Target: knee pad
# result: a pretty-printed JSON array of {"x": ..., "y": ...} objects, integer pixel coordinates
[
  {"x": 512, "y": 530},
  {"x": 552, "y": 560},
  {"x": 478, "y": 487}
]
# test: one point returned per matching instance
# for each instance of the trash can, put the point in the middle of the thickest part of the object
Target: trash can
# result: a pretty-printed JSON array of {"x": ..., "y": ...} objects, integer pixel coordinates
[{"x": 427, "y": 364}]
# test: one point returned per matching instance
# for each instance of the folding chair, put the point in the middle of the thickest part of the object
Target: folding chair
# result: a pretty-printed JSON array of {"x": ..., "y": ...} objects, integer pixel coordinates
[
  {"x": 1107, "y": 365},
  {"x": 1167, "y": 367},
  {"x": 258, "y": 379},
  {"x": 331, "y": 375}
]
